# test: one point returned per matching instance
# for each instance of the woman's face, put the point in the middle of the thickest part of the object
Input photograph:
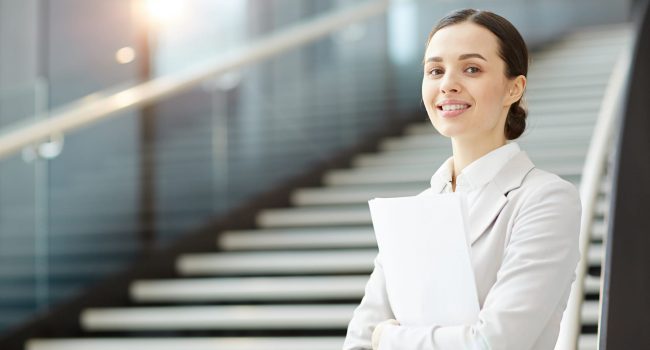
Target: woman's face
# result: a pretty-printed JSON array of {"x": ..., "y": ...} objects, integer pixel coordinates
[{"x": 463, "y": 70}]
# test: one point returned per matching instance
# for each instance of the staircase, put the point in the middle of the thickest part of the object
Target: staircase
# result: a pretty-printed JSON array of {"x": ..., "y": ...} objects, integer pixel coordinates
[{"x": 294, "y": 282}]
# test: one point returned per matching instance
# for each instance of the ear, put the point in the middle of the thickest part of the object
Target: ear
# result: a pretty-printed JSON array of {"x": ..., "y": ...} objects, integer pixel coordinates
[{"x": 516, "y": 88}]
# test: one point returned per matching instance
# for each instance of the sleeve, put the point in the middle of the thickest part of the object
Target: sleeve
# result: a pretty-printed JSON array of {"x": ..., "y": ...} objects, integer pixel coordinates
[
  {"x": 537, "y": 268},
  {"x": 372, "y": 310}
]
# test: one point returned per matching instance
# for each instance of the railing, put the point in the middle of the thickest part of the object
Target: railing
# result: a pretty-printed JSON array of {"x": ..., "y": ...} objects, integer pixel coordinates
[
  {"x": 592, "y": 175},
  {"x": 85, "y": 113}
]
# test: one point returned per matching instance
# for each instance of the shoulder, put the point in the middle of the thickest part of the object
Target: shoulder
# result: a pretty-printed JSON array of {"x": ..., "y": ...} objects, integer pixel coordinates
[
  {"x": 544, "y": 189},
  {"x": 542, "y": 181}
]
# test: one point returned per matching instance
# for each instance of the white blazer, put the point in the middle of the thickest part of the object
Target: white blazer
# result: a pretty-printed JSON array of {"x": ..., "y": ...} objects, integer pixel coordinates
[{"x": 524, "y": 229}]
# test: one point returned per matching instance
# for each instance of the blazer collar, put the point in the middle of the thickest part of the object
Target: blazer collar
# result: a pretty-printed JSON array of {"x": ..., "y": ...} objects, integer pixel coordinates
[
  {"x": 477, "y": 173},
  {"x": 493, "y": 197}
]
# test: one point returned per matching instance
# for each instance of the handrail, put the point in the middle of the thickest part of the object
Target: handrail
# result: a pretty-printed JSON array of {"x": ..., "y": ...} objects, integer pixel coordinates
[
  {"x": 81, "y": 113},
  {"x": 592, "y": 175}
]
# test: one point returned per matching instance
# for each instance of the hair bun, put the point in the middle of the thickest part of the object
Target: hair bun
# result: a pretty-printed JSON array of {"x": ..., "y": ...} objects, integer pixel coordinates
[{"x": 515, "y": 121}]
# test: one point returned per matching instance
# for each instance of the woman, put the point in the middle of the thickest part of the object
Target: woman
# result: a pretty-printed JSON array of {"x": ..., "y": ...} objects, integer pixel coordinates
[{"x": 523, "y": 222}]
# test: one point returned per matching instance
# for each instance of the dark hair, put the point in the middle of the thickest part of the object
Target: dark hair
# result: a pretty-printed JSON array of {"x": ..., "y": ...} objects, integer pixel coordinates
[{"x": 512, "y": 50}]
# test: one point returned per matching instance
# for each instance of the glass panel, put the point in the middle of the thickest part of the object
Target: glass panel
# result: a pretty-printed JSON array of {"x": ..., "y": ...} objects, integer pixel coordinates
[
  {"x": 24, "y": 287},
  {"x": 248, "y": 131}
]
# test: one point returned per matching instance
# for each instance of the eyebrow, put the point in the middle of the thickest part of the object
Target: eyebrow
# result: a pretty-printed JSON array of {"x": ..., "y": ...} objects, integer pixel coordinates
[{"x": 461, "y": 57}]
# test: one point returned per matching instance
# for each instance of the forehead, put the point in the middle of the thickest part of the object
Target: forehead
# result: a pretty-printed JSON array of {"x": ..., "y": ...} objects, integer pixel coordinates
[{"x": 461, "y": 38}]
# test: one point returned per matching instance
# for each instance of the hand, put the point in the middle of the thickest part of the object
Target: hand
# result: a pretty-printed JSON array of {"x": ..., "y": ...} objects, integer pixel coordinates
[{"x": 376, "y": 334}]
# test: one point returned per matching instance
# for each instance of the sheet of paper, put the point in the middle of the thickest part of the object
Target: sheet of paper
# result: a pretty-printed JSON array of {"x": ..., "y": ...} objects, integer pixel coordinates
[{"x": 425, "y": 256}]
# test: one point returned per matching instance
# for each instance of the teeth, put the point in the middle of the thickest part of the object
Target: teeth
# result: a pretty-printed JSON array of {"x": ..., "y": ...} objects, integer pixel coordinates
[{"x": 453, "y": 107}]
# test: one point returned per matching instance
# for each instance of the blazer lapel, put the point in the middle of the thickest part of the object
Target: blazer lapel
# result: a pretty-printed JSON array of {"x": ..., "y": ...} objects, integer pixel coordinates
[{"x": 493, "y": 197}]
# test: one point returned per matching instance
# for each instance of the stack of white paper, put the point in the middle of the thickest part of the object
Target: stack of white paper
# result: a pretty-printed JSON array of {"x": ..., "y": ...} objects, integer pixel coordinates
[{"x": 425, "y": 255}]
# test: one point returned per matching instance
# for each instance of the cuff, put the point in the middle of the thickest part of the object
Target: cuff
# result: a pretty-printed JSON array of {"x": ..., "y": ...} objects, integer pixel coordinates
[
  {"x": 427, "y": 338},
  {"x": 387, "y": 333}
]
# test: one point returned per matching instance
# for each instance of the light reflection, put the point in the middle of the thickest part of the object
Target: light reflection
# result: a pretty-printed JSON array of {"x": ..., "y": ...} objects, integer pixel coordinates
[
  {"x": 125, "y": 55},
  {"x": 163, "y": 12},
  {"x": 125, "y": 98}
]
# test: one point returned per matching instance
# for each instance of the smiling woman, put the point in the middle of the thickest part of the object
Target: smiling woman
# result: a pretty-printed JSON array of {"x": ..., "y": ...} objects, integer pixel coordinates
[
  {"x": 523, "y": 223},
  {"x": 475, "y": 65}
]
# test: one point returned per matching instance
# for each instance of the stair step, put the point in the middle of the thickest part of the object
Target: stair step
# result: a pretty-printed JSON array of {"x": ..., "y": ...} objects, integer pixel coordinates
[
  {"x": 337, "y": 215},
  {"x": 285, "y": 262},
  {"x": 360, "y": 194},
  {"x": 418, "y": 173},
  {"x": 589, "y": 312},
  {"x": 595, "y": 254},
  {"x": 550, "y": 63},
  {"x": 189, "y": 343},
  {"x": 300, "y": 238},
  {"x": 352, "y": 194},
  {"x": 592, "y": 284},
  {"x": 602, "y": 207},
  {"x": 534, "y": 149},
  {"x": 588, "y": 342},
  {"x": 229, "y": 317},
  {"x": 308, "y": 316},
  {"x": 278, "y": 262},
  {"x": 540, "y": 121},
  {"x": 250, "y": 288},
  {"x": 427, "y": 141},
  {"x": 318, "y": 216},
  {"x": 562, "y": 83},
  {"x": 435, "y": 157},
  {"x": 598, "y": 230},
  {"x": 590, "y": 57}
]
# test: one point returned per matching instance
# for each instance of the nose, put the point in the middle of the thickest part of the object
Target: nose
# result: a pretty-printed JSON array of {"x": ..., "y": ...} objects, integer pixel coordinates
[{"x": 449, "y": 83}]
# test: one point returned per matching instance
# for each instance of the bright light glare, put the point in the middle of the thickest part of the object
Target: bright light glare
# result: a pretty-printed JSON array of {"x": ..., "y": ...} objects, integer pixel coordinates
[
  {"x": 164, "y": 11},
  {"x": 125, "y": 55}
]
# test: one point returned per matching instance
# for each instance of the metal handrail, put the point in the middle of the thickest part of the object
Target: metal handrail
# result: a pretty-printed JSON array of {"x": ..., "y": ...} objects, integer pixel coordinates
[
  {"x": 592, "y": 175},
  {"x": 81, "y": 113}
]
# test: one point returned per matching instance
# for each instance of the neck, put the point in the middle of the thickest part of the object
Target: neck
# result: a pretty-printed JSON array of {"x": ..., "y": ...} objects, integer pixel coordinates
[{"x": 466, "y": 151}]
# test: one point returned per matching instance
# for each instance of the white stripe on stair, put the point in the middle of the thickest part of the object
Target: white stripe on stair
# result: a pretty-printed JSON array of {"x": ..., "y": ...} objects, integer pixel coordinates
[
  {"x": 249, "y": 288},
  {"x": 352, "y": 194},
  {"x": 318, "y": 237},
  {"x": 427, "y": 141},
  {"x": 189, "y": 343},
  {"x": 129, "y": 319},
  {"x": 590, "y": 312},
  {"x": 539, "y": 156},
  {"x": 315, "y": 216},
  {"x": 418, "y": 173},
  {"x": 280, "y": 262}
]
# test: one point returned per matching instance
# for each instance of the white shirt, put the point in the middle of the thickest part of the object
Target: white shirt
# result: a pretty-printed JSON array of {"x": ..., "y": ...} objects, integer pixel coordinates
[
  {"x": 478, "y": 173},
  {"x": 475, "y": 175}
]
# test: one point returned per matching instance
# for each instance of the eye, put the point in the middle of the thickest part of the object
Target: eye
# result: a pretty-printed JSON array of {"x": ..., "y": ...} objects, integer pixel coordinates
[
  {"x": 434, "y": 71},
  {"x": 476, "y": 69}
]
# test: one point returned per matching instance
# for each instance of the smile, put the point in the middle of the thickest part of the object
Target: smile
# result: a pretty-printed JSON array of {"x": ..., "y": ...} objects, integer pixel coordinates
[
  {"x": 449, "y": 111},
  {"x": 452, "y": 107}
]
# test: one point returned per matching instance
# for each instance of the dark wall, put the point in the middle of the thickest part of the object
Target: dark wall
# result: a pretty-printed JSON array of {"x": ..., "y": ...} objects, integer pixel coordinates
[{"x": 626, "y": 285}]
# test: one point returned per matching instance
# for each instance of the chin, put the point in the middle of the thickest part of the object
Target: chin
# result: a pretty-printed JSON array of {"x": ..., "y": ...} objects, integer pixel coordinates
[{"x": 448, "y": 130}]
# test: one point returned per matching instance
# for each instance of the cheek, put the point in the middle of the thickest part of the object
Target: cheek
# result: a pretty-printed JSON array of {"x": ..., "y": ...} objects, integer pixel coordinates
[
  {"x": 489, "y": 98},
  {"x": 428, "y": 94},
  {"x": 425, "y": 90}
]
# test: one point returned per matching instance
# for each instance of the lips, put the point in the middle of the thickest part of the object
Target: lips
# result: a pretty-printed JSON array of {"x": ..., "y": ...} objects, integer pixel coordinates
[
  {"x": 452, "y": 108},
  {"x": 453, "y": 105}
]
